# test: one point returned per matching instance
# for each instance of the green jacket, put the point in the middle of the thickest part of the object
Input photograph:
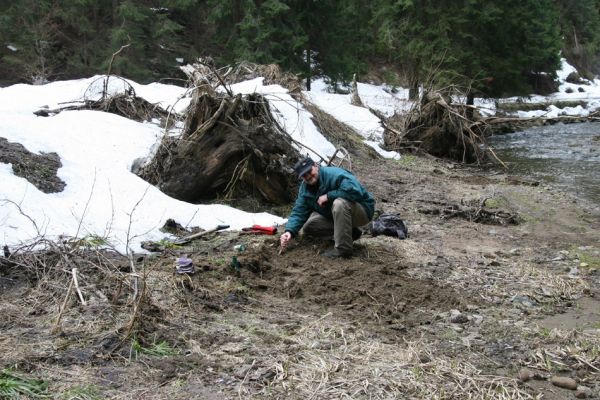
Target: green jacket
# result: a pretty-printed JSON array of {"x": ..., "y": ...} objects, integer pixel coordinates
[{"x": 335, "y": 182}]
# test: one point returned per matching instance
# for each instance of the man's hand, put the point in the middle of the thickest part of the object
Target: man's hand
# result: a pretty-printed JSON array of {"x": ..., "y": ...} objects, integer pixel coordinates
[
  {"x": 322, "y": 200},
  {"x": 284, "y": 239}
]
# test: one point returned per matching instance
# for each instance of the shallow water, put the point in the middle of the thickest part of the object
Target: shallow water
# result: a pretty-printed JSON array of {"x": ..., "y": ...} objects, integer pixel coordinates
[{"x": 562, "y": 155}]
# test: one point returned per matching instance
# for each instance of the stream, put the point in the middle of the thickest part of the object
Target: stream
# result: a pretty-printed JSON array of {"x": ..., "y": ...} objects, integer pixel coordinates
[{"x": 562, "y": 155}]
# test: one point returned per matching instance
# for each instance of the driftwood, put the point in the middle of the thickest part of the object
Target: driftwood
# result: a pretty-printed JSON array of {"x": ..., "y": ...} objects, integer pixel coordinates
[
  {"x": 500, "y": 125},
  {"x": 474, "y": 212}
]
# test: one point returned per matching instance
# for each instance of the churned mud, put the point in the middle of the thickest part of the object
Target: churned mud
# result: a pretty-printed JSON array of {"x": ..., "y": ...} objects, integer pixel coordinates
[{"x": 466, "y": 307}]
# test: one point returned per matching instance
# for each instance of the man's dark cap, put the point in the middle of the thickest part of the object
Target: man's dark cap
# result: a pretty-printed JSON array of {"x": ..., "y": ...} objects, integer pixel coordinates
[{"x": 303, "y": 166}]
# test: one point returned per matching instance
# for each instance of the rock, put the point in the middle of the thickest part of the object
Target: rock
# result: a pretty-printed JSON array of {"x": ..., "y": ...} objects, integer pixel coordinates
[
  {"x": 583, "y": 392},
  {"x": 456, "y": 317},
  {"x": 584, "y": 264},
  {"x": 233, "y": 348},
  {"x": 241, "y": 372},
  {"x": 525, "y": 375},
  {"x": 564, "y": 382},
  {"x": 522, "y": 300}
]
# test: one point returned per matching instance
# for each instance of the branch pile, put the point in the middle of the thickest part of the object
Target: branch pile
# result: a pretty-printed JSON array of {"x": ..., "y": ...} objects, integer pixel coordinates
[
  {"x": 126, "y": 103},
  {"x": 438, "y": 127},
  {"x": 205, "y": 71},
  {"x": 474, "y": 211}
]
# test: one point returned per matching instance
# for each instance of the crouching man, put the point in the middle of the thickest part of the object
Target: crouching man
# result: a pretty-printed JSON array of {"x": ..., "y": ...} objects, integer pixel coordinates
[{"x": 331, "y": 202}]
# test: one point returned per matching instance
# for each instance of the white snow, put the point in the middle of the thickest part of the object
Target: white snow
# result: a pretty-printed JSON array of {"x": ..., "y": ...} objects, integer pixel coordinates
[{"x": 103, "y": 197}]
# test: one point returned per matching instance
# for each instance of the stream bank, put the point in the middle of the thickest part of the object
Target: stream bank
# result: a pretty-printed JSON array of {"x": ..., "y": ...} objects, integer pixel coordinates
[{"x": 456, "y": 311}]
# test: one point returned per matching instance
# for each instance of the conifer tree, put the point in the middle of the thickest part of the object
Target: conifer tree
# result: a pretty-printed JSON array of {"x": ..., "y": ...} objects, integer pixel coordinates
[
  {"x": 32, "y": 45},
  {"x": 493, "y": 46},
  {"x": 580, "y": 25}
]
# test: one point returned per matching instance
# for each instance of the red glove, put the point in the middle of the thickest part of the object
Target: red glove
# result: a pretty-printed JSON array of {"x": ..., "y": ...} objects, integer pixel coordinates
[{"x": 261, "y": 230}]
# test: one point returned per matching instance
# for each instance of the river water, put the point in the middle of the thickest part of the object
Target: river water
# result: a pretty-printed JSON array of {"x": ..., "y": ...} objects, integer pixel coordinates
[{"x": 561, "y": 155}]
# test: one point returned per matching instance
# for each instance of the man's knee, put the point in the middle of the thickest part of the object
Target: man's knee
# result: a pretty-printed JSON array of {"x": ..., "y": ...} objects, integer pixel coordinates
[
  {"x": 317, "y": 225},
  {"x": 340, "y": 205}
]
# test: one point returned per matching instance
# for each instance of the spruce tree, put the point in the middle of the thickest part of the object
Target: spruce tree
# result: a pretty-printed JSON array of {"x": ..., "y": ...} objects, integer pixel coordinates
[
  {"x": 29, "y": 40},
  {"x": 493, "y": 47},
  {"x": 580, "y": 26}
]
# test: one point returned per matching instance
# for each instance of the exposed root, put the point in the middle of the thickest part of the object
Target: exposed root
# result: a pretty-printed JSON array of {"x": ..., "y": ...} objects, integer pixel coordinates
[{"x": 439, "y": 127}]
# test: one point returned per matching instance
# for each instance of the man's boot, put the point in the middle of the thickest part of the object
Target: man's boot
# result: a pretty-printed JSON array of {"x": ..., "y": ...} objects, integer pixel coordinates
[{"x": 336, "y": 253}]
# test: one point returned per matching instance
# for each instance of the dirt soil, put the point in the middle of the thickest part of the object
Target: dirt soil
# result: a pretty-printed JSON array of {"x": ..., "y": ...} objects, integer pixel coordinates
[
  {"x": 459, "y": 310},
  {"x": 39, "y": 169}
]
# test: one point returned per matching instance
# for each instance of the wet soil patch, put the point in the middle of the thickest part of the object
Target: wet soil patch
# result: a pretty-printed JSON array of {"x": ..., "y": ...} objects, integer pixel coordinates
[{"x": 39, "y": 169}]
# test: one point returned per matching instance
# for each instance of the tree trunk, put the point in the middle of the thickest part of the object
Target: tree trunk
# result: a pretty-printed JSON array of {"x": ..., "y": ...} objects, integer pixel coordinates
[
  {"x": 470, "y": 102},
  {"x": 308, "y": 68}
]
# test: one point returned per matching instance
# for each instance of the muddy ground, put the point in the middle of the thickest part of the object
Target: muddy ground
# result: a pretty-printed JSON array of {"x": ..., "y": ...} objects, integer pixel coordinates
[{"x": 460, "y": 309}]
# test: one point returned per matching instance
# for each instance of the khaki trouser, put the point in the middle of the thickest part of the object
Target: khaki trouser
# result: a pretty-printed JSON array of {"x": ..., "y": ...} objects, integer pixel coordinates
[{"x": 346, "y": 215}]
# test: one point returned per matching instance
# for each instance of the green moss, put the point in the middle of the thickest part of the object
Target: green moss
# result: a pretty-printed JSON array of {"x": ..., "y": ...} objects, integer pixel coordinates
[
  {"x": 85, "y": 392},
  {"x": 496, "y": 202},
  {"x": 588, "y": 255}
]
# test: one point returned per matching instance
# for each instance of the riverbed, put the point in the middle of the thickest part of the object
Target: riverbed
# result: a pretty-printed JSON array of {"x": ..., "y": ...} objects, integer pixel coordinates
[{"x": 566, "y": 156}]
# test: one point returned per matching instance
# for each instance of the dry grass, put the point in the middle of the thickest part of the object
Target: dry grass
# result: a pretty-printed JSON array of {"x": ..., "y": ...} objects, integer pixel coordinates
[
  {"x": 334, "y": 361},
  {"x": 516, "y": 279},
  {"x": 564, "y": 350}
]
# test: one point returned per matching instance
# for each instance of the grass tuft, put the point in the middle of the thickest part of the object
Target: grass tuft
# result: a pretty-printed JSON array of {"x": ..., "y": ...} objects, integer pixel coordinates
[
  {"x": 159, "y": 350},
  {"x": 15, "y": 386},
  {"x": 86, "y": 392}
]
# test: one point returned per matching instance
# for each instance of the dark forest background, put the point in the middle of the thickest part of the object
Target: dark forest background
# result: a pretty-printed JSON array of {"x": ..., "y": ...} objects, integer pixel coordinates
[{"x": 496, "y": 48}]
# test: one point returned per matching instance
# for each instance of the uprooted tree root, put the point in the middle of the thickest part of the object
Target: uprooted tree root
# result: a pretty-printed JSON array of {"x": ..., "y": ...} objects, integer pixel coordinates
[
  {"x": 230, "y": 148},
  {"x": 440, "y": 128}
]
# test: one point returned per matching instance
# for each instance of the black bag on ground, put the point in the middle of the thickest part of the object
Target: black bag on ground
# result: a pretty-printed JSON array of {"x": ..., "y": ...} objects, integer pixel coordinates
[{"x": 389, "y": 225}]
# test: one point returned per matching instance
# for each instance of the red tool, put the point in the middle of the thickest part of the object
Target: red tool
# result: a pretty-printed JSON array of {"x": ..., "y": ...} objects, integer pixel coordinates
[{"x": 260, "y": 230}]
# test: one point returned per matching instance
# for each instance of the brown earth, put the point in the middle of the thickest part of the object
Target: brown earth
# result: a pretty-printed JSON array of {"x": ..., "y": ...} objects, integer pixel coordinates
[
  {"x": 39, "y": 169},
  {"x": 458, "y": 310}
]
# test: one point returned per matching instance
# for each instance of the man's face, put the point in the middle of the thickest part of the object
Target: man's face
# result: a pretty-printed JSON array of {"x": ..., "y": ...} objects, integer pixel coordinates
[{"x": 312, "y": 176}]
